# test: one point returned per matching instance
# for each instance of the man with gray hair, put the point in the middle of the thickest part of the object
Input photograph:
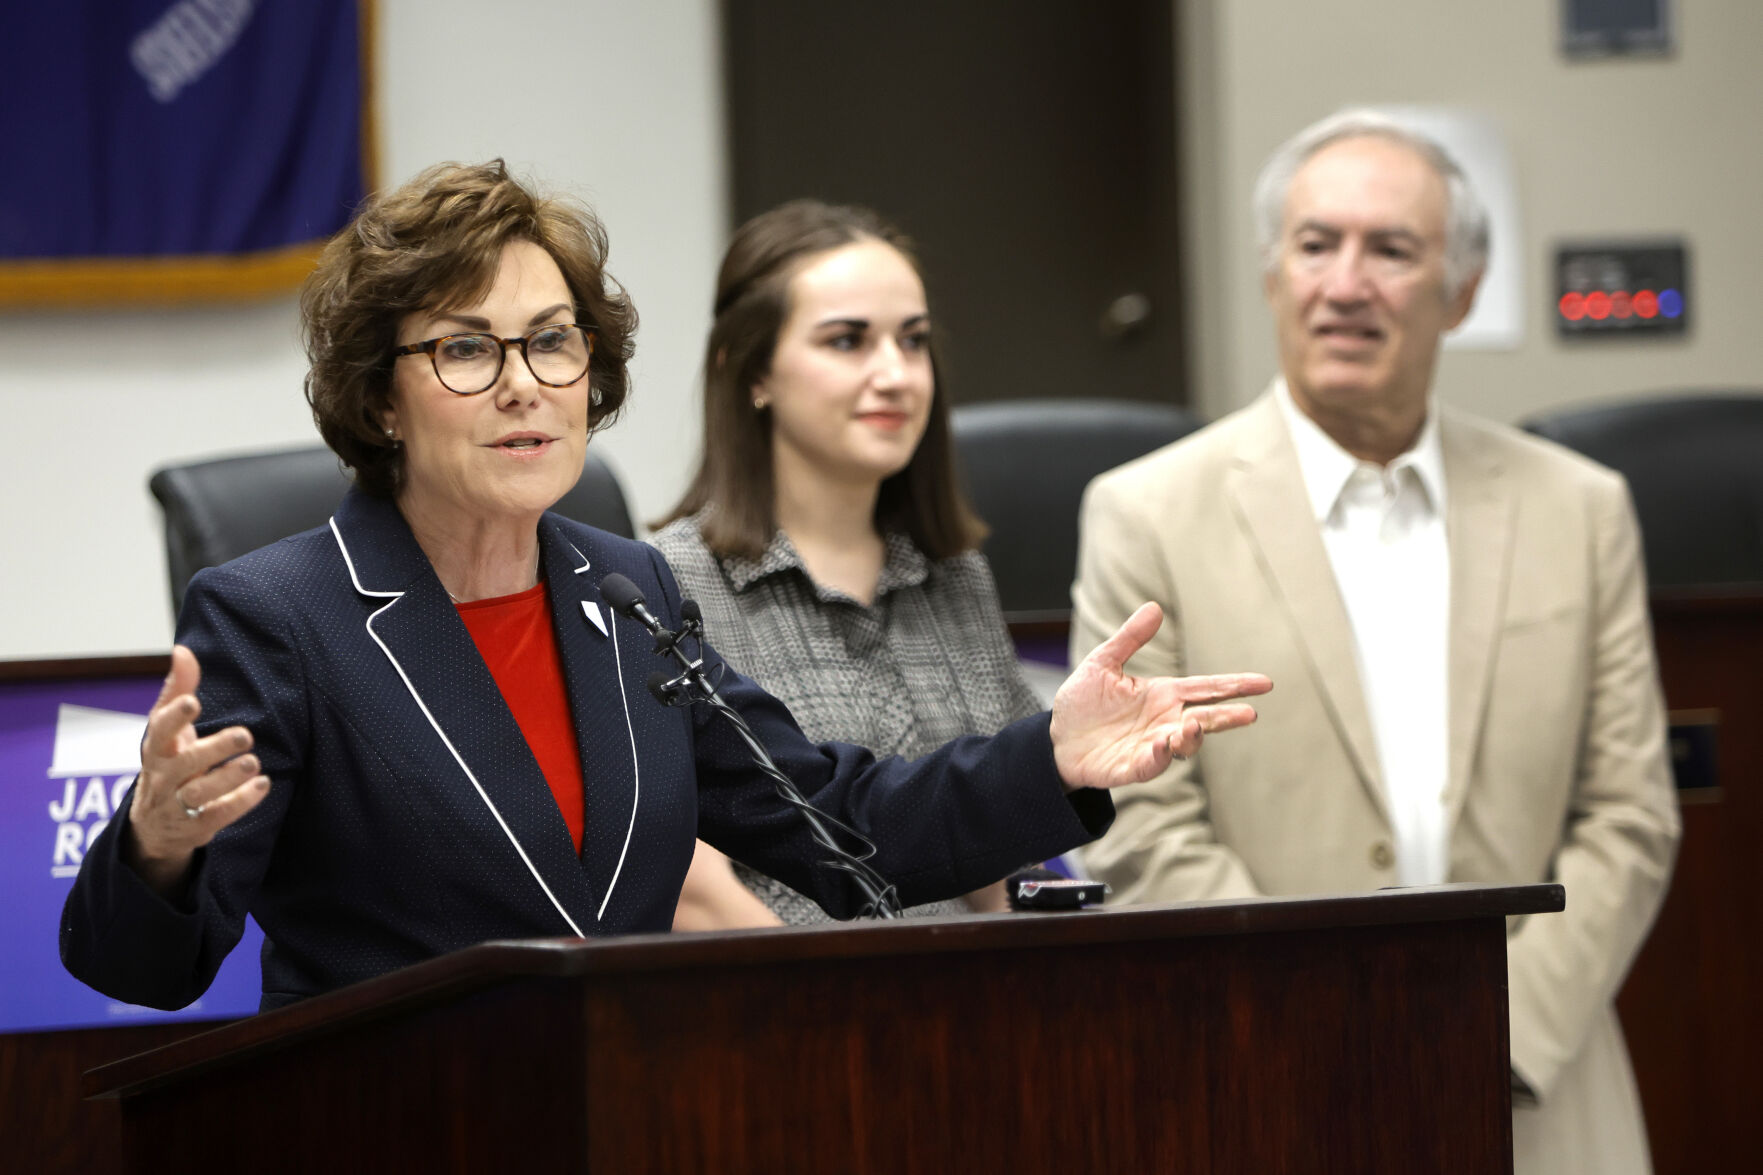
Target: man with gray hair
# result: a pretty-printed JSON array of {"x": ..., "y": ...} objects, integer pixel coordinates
[{"x": 1455, "y": 614}]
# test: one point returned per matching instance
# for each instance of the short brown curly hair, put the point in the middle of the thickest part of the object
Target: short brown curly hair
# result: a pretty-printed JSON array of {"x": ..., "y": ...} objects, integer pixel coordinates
[{"x": 434, "y": 244}]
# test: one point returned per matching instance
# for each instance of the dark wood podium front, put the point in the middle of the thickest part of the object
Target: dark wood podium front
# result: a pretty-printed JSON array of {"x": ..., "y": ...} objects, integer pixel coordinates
[
  {"x": 1690, "y": 1008},
  {"x": 1357, "y": 1034}
]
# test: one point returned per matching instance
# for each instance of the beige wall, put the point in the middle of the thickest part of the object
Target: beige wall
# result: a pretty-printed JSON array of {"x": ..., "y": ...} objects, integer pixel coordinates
[
  {"x": 81, "y": 567},
  {"x": 1686, "y": 159}
]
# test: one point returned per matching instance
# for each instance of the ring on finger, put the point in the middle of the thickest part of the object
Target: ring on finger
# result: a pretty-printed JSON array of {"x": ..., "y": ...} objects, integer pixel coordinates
[{"x": 192, "y": 813}]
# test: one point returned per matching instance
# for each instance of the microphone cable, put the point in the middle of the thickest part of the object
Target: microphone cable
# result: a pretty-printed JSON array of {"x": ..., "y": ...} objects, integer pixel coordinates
[{"x": 693, "y": 686}]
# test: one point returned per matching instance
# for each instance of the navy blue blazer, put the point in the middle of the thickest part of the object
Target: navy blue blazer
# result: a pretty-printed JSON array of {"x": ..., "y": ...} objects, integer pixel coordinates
[{"x": 407, "y": 816}]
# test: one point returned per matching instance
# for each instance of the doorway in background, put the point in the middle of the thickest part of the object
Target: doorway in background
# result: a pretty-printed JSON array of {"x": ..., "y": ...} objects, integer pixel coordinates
[{"x": 1028, "y": 148}]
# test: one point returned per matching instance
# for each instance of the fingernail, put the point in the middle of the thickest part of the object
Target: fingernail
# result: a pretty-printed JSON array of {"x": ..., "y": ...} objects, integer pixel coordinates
[{"x": 261, "y": 783}]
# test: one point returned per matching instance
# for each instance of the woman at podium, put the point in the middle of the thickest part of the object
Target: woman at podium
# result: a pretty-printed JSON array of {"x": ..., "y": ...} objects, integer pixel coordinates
[{"x": 423, "y": 725}]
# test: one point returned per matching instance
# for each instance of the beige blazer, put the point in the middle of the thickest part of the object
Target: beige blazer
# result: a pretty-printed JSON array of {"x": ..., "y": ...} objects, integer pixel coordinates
[{"x": 1558, "y": 765}]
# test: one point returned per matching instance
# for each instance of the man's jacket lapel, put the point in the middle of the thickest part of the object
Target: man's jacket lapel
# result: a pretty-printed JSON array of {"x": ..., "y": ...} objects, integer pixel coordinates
[
  {"x": 1481, "y": 528},
  {"x": 1269, "y": 495}
]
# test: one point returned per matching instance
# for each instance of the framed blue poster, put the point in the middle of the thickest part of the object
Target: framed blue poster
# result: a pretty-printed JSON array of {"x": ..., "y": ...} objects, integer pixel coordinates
[{"x": 171, "y": 151}]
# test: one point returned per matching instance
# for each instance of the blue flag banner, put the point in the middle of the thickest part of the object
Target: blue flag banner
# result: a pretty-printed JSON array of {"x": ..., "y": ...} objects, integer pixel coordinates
[
  {"x": 171, "y": 151},
  {"x": 68, "y": 751}
]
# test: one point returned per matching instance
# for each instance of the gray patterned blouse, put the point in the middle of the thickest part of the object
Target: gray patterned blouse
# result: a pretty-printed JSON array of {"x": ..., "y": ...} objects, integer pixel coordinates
[{"x": 929, "y": 661}]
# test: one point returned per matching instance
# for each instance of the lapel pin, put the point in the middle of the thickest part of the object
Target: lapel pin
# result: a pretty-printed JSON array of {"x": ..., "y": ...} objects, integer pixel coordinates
[{"x": 592, "y": 611}]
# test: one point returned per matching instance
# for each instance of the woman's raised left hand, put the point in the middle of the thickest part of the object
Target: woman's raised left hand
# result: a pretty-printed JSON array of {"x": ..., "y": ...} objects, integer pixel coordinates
[{"x": 1110, "y": 728}]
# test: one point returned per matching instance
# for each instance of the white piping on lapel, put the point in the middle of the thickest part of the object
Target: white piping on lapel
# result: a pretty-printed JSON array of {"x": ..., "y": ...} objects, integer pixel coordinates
[
  {"x": 445, "y": 741},
  {"x": 636, "y": 774},
  {"x": 350, "y": 564},
  {"x": 592, "y": 611}
]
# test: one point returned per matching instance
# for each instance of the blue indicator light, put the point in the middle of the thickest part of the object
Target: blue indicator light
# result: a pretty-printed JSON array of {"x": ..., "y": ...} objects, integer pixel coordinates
[{"x": 1671, "y": 303}]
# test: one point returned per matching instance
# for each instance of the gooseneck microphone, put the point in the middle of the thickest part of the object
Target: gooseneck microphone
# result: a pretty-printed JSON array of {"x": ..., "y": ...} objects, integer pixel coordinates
[
  {"x": 627, "y": 600},
  {"x": 692, "y": 686}
]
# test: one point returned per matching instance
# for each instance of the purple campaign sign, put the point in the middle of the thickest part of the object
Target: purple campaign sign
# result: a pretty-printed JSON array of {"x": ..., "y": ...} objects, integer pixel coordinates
[{"x": 68, "y": 751}]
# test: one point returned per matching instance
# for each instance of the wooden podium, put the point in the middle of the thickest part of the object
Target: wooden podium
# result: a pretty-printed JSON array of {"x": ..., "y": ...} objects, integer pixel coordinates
[
  {"x": 1689, "y": 1007},
  {"x": 1358, "y": 1034}
]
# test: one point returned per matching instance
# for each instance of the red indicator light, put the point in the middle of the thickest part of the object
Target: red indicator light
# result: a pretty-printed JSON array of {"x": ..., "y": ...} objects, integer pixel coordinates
[
  {"x": 1597, "y": 305},
  {"x": 1572, "y": 306},
  {"x": 1646, "y": 303},
  {"x": 1620, "y": 305}
]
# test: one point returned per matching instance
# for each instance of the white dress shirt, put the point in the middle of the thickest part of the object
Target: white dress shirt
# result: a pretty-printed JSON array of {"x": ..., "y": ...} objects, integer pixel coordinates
[{"x": 1384, "y": 529}]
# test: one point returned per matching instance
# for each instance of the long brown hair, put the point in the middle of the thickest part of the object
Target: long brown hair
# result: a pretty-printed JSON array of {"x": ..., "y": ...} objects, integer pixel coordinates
[
  {"x": 434, "y": 243},
  {"x": 734, "y": 487}
]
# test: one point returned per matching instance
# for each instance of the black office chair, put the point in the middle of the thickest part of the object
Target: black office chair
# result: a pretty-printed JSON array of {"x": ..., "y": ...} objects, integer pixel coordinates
[
  {"x": 1025, "y": 463},
  {"x": 1695, "y": 466},
  {"x": 218, "y": 510}
]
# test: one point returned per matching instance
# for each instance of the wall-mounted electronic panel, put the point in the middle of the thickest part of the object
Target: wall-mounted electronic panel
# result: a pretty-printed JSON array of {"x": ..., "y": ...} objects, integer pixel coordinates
[
  {"x": 1616, "y": 28},
  {"x": 1628, "y": 289}
]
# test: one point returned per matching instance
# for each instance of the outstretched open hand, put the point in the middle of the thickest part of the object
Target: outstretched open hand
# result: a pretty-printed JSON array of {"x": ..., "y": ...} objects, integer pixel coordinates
[
  {"x": 1111, "y": 729},
  {"x": 189, "y": 787}
]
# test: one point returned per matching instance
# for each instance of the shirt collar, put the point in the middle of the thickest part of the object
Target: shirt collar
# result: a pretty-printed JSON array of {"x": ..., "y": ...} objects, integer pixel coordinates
[
  {"x": 1326, "y": 466},
  {"x": 905, "y": 566}
]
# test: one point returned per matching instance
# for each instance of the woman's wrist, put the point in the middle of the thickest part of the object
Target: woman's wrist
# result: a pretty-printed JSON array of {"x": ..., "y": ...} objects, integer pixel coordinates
[{"x": 164, "y": 874}]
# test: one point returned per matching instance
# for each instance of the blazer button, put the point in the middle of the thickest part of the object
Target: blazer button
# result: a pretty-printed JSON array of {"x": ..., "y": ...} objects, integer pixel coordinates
[{"x": 1382, "y": 856}]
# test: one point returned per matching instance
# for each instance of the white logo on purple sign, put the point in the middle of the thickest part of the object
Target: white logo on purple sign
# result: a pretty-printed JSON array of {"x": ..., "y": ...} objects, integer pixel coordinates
[{"x": 97, "y": 755}]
